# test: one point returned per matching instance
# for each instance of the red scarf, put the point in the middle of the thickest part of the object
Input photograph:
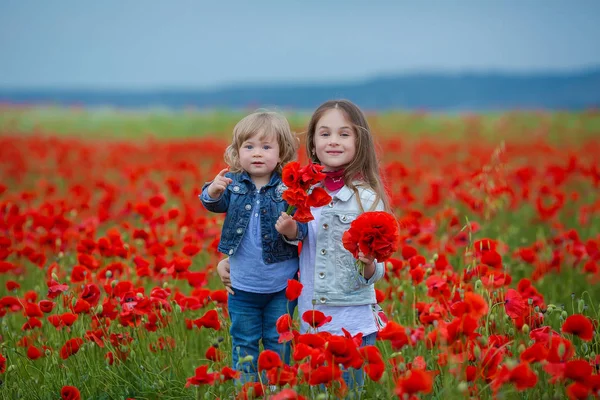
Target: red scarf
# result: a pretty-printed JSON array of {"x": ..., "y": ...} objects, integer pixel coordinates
[{"x": 334, "y": 180}]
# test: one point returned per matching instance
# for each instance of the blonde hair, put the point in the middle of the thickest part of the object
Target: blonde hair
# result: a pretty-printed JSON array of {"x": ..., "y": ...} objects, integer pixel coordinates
[
  {"x": 265, "y": 124},
  {"x": 364, "y": 166}
]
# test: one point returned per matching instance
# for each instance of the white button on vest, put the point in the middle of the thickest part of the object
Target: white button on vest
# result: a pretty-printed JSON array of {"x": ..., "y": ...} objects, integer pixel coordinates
[
  {"x": 239, "y": 230},
  {"x": 236, "y": 188},
  {"x": 248, "y": 207}
]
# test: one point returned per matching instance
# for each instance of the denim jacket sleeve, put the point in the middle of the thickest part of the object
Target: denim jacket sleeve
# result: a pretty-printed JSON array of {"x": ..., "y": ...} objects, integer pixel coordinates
[
  {"x": 302, "y": 232},
  {"x": 219, "y": 205}
]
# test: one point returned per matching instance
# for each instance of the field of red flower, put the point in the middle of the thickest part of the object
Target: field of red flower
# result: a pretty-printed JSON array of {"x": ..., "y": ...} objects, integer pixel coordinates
[{"x": 109, "y": 289}]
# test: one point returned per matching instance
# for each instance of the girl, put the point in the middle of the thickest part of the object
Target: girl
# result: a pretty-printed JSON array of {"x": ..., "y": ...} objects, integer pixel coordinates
[
  {"x": 339, "y": 138},
  {"x": 250, "y": 193}
]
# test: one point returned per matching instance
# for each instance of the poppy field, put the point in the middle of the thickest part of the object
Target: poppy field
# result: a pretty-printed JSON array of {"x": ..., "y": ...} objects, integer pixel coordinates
[{"x": 108, "y": 284}]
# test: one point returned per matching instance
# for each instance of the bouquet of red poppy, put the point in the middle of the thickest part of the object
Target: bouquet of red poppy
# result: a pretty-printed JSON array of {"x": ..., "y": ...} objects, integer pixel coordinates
[
  {"x": 299, "y": 195},
  {"x": 375, "y": 234}
]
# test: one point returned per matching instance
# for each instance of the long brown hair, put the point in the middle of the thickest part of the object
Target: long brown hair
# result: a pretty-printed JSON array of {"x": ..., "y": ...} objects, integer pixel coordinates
[{"x": 364, "y": 166}]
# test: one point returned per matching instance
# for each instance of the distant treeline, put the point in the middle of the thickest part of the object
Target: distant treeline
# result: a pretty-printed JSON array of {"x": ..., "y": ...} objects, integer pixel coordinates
[{"x": 434, "y": 92}]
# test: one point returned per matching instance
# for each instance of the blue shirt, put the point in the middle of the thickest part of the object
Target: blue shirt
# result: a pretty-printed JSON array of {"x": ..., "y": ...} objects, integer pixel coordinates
[{"x": 248, "y": 270}]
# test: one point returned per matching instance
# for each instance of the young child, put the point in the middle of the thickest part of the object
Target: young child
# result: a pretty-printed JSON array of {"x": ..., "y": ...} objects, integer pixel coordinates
[
  {"x": 339, "y": 138},
  {"x": 261, "y": 261}
]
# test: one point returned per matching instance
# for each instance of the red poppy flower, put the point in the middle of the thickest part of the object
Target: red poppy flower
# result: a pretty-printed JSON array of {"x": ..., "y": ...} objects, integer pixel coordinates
[
  {"x": 375, "y": 365},
  {"x": 228, "y": 374},
  {"x": 32, "y": 323},
  {"x": 46, "y": 306},
  {"x": 33, "y": 353},
  {"x": 535, "y": 353},
  {"x": 268, "y": 359},
  {"x": 284, "y": 375},
  {"x": 303, "y": 215},
  {"x": 298, "y": 194},
  {"x": 202, "y": 377},
  {"x": 579, "y": 325},
  {"x": 55, "y": 289},
  {"x": 70, "y": 393},
  {"x": 408, "y": 252},
  {"x": 209, "y": 320},
  {"x": 325, "y": 374},
  {"x": 70, "y": 347},
  {"x": 214, "y": 354},
  {"x": 293, "y": 290},
  {"x": 578, "y": 370},
  {"x": 2, "y": 364},
  {"x": 315, "y": 318},
  {"x": 287, "y": 394},
  {"x": 578, "y": 391},
  {"x": 417, "y": 381},
  {"x": 374, "y": 233},
  {"x": 33, "y": 310},
  {"x": 514, "y": 305},
  {"x": 284, "y": 326}
]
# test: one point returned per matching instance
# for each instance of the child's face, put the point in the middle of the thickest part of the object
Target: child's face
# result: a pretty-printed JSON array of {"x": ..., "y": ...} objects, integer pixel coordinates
[
  {"x": 259, "y": 157},
  {"x": 335, "y": 140}
]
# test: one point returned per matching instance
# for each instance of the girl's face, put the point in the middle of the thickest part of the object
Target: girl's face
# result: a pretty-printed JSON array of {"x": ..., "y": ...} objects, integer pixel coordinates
[
  {"x": 335, "y": 140},
  {"x": 259, "y": 157}
]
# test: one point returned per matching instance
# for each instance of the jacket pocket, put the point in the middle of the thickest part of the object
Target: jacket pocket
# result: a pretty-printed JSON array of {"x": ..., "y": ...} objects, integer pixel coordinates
[{"x": 346, "y": 271}]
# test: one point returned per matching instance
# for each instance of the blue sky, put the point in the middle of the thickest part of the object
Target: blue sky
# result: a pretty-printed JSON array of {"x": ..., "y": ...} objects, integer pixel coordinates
[{"x": 199, "y": 44}]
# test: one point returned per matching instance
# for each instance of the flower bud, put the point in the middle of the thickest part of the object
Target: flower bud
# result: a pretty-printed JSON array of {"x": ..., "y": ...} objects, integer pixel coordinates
[
  {"x": 580, "y": 305},
  {"x": 463, "y": 387},
  {"x": 139, "y": 295},
  {"x": 478, "y": 284},
  {"x": 561, "y": 349},
  {"x": 530, "y": 301},
  {"x": 109, "y": 274},
  {"x": 246, "y": 359},
  {"x": 525, "y": 329},
  {"x": 564, "y": 314}
]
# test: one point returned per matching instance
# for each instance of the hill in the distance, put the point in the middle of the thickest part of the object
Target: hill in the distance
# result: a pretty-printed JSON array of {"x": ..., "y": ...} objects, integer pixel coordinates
[{"x": 428, "y": 91}]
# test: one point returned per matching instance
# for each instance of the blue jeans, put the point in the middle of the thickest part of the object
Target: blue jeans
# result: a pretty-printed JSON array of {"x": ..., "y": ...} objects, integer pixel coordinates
[{"x": 253, "y": 318}]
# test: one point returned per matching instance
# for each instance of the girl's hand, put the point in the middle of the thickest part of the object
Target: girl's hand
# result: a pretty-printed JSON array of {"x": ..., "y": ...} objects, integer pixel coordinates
[
  {"x": 223, "y": 271},
  {"x": 287, "y": 226},
  {"x": 219, "y": 184},
  {"x": 369, "y": 262}
]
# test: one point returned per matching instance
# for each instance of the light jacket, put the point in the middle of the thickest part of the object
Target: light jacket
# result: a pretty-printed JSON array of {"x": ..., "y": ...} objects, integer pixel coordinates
[{"x": 337, "y": 281}]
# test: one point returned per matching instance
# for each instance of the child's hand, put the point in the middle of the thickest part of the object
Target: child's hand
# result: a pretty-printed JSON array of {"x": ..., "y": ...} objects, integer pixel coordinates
[
  {"x": 369, "y": 262},
  {"x": 223, "y": 271},
  {"x": 219, "y": 184},
  {"x": 287, "y": 226}
]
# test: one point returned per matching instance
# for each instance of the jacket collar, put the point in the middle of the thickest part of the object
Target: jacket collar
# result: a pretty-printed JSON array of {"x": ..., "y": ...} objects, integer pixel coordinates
[
  {"x": 345, "y": 193},
  {"x": 245, "y": 177}
]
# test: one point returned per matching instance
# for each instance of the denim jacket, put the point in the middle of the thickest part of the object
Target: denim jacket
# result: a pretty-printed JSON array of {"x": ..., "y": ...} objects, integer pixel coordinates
[
  {"x": 237, "y": 201},
  {"x": 337, "y": 281}
]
